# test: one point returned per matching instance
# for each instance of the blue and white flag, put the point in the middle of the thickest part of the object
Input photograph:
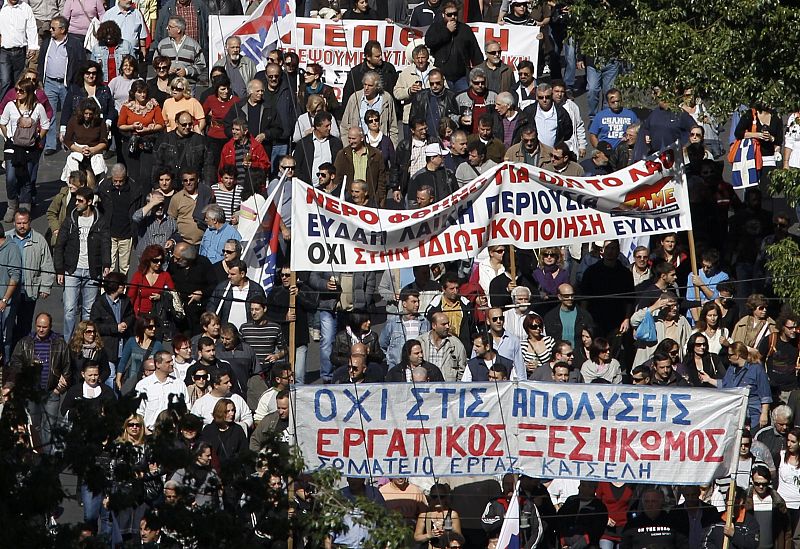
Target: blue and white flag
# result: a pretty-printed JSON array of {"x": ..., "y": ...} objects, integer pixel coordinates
[
  {"x": 509, "y": 533},
  {"x": 746, "y": 168}
]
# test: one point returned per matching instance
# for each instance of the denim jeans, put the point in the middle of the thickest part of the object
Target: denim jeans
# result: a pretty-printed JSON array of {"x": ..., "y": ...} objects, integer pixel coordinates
[
  {"x": 45, "y": 417},
  {"x": 21, "y": 179},
  {"x": 327, "y": 324},
  {"x": 112, "y": 375},
  {"x": 459, "y": 85},
  {"x": 598, "y": 81},
  {"x": 12, "y": 63},
  {"x": 300, "y": 364},
  {"x": 77, "y": 286},
  {"x": 569, "y": 62},
  {"x": 23, "y": 319},
  {"x": 92, "y": 503},
  {"x": 56, "y": 93},
  {"x": 7, "y": 324},
  {"x": 275, "y": 157}
]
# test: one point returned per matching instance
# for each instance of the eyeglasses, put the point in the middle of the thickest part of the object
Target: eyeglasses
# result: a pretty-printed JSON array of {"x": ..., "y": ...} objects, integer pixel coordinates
[
  {"x": 162, "y": 68},
  {"x": 185, "y": 125},
  {"x": 694, "y": 134},
  {"x": 479, "y": 82},
  {"x": 557, "y": 157},
  {"x": 226, "y": 252},
  {"x": 286, "y": 275},
  {"x": 19, "y": 90},
  {"x": 89, "y": 331},
  {"x": 544, "y": 96},
  {"x": 790, "y": 327},
  {"x": 496, "y": 52},
  {"x": 498, "y": 319},
  {"x": 371, "y": 120},
  {"x": 451, "y": 14},
  {"x": 531, "y": 140},
  {"x": 435, "y": 82}
]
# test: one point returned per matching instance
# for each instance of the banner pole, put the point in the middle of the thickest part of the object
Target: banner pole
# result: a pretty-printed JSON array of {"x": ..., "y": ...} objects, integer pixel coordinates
[
  {"x": 692, "y": 251},
  {"x": 513, "y": 258},
  {"x": 293, "y": 323},
  {"x": 734, "y": 473}
]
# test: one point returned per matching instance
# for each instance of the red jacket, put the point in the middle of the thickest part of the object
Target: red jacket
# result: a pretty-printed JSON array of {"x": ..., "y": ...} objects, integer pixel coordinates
[{"x": 259, "y": 158}]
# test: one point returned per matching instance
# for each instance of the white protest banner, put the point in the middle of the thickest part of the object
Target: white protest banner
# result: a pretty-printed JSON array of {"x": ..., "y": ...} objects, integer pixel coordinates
[
  {"x": 514, "y": 204},
  {"x": 339, "y": 45},
  {"x": 546, "y": 430}
]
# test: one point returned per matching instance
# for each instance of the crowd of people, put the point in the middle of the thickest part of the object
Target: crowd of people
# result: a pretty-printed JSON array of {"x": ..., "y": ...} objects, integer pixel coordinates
[{"x": 157, "y": 152}]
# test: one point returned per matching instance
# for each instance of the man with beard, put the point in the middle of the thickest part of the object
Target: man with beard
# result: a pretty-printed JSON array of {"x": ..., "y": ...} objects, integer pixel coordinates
[{"x": 485, "y": 359}]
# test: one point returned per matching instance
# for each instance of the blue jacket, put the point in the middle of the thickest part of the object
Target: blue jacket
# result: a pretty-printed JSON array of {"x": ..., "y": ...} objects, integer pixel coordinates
[
  {"x": 393, "y": 337},
  {"x": 214, "y": 239},
  {"x": 100, "y": 55}
]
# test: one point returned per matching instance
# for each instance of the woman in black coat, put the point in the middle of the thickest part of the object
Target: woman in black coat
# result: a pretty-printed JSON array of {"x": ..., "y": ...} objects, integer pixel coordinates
[{"x": 226, "y": 438}]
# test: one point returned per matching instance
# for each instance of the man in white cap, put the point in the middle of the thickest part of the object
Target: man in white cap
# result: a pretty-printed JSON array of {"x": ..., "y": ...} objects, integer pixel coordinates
[{"x": 434, "y": 175}]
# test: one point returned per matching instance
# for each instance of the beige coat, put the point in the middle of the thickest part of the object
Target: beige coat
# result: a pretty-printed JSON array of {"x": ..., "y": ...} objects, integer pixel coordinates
[{"x": 352, "y": 116}]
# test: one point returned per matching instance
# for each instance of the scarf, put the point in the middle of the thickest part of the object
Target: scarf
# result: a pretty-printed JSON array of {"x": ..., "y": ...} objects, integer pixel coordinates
[
  {"x": 138, "y": 109},
  {"x": 374, "y": 142},
  {"x": 88, "y": 350}
]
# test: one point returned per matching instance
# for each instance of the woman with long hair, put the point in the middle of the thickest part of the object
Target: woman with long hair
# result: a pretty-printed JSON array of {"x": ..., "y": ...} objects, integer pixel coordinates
[
  {"x": 199, "y": 385},
  {"x": 226, "y": 437},
  {"x": 201, "y": 482},
  {"x": 550, "y": 274},
  {"x": 86, "y": 137},
  {"x": 600, "y": 364},
  {"x": 358, "y": 330},
  {"x": 746, "y": 371},
  {"x": 216, "y": 107},
  {"x": 181, "y": 100},
  {"x": 130, "y": 471},
  {"x": 110, "y": 50},
  {"x": 142, "y": 345},
  {"x": 86, "y": 345},
  {"x": 583, "y": 343},
  {"x": 754, "y": 327},
  {"x": 537, "y": 349},
  {"x": 120, "y": 85},
  {"x": 24, "y": 124},
  {"x": 159, "y": 84},
  {"x": 140, "y": 122},
  {"x": 489, "y": 268},
  {"x": 149, "y": 280},
  {"x": 88, "y": 84},
  {"x": 708, "y": 325},
  {"x": 789, "y": 475},
  {"x": 440, "y": 518},
  {"x": 700, "y": 367}
]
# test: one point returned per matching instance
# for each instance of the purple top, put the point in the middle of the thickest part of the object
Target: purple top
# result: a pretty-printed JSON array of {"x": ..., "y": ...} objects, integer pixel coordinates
[{"x": 549, "y": 284}]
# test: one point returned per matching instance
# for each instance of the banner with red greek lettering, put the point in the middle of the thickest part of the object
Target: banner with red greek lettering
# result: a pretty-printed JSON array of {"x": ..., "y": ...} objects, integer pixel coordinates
[
  {"x": 339, "y": 45},
  {"x": 514, "y": 204},
  {"x": 546, "y": 430}
]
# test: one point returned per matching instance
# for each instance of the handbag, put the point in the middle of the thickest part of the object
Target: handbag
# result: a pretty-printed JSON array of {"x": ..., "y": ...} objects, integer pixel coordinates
[
  {"x": 90, "y": 41},
  {"x": 646, "y": 331},
  {"x": 755, "y": 143}
]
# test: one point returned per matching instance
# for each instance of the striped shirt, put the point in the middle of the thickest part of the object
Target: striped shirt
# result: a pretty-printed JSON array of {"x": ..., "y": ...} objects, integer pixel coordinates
[
  {"x": 264, "y": 339},
  {"x": 230, "y": 201}
]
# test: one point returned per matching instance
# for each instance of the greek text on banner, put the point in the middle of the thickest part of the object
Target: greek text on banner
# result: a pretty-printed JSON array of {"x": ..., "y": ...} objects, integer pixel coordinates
[
  {"x": 545, "y": 430},
  {"x": 515, "y": 204}
]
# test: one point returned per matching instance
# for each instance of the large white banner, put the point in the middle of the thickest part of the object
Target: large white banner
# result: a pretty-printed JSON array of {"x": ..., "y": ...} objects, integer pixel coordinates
[
  {"x": 339, "y": 45},
  {"x": 516, "y": 204},
  {"x": 545, "y": 430}
]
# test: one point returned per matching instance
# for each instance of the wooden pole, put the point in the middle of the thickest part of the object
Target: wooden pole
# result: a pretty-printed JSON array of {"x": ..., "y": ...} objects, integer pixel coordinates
[
  {"x": 734, "y": 473},
  {"x": 513, "y": 265},
  {"x": 692, "y": 252},
  {"x": 293, "y": 323}
]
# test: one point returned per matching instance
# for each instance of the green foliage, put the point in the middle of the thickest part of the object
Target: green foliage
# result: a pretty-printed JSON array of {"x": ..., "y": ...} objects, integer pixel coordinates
[
  {"x": 731, "y": 53},
  {"x": 786, "y": 182},
  {"x": 784, "y": 265}
]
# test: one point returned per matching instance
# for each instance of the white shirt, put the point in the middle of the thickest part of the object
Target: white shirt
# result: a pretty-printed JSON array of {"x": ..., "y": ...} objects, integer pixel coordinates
[
  {"x": 322, "y": 154},
  {"x": 181, "y": 368},
  {"x": 547, "y": 125},
  {"x": 158, "y": 394},
  {"x": 267, "y": 404},
  {"x": 204, "y": 408},
  {"x": 578, "y": 139},
  {"x": 11, "y": 115},
  {"x": 84, "y": 226},
  {"x": 238, "y": 314},
  {"x": 18, "y": 27}
]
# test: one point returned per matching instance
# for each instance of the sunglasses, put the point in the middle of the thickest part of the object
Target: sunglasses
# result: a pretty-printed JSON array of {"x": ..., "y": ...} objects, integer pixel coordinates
[
  {"x": 638, "y": 379},
  {"x": 273, "y": 77},
  {"x": 200, "y": 376},
  {"x": 91, "y": 73},
  {"x": 550, "y": 254},
  {"x": 762, "y": 484},
  {"x": 190, "y": 180},
  {"x": 162, "y": 68},
  {"x": 451, "y": 14},
  {"x": 498, "y": 319},
  {"x": 696, "y": 134},
  {"x": 496, "y": 52},
  {"x": 89, "y": 332},
  {"x": 322, "y": 174},
  {"x": 286, "y": 275},
  {"x": 536, "y": 326},
  {"x": 554, "y": 157},
  {"x": 134, "y": 425},
  {"x": 157, "y": 260},
  {"x": 544, "y": 96},
  {"x": 371, "y": 120},
  {"x": 479, "y": 82},
  {"x": 178, "y": 89},
  {"x": 185, "y": 125},
  {"x": 226, "y": 252},
  {"x": 288, "y": 167},
  {"x": 150, "y": 327}
]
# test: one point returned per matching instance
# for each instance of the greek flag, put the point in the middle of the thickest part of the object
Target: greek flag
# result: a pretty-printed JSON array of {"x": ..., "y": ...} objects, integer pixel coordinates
[{"x": 746, "y": 168}]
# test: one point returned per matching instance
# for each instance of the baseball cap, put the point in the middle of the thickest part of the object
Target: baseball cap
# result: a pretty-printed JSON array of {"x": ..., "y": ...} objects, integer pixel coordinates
[{"x": 435, "y": 149}]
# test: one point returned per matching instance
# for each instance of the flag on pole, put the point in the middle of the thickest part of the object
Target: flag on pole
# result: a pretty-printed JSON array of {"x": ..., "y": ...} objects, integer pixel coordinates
[
  {"x": 271, "y": 20},
  {"x": 746, "y": 166},
  {"x": 509, "y": 533},
  {"x": 260, "y": 227}
]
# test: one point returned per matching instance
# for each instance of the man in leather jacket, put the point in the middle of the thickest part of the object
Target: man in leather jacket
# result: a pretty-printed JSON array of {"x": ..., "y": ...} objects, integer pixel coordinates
[{"x": 183, "y": 149}]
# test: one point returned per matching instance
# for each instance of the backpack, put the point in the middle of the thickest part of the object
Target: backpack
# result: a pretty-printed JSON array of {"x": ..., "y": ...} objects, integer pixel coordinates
[{"x": 26, "y": 132}]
